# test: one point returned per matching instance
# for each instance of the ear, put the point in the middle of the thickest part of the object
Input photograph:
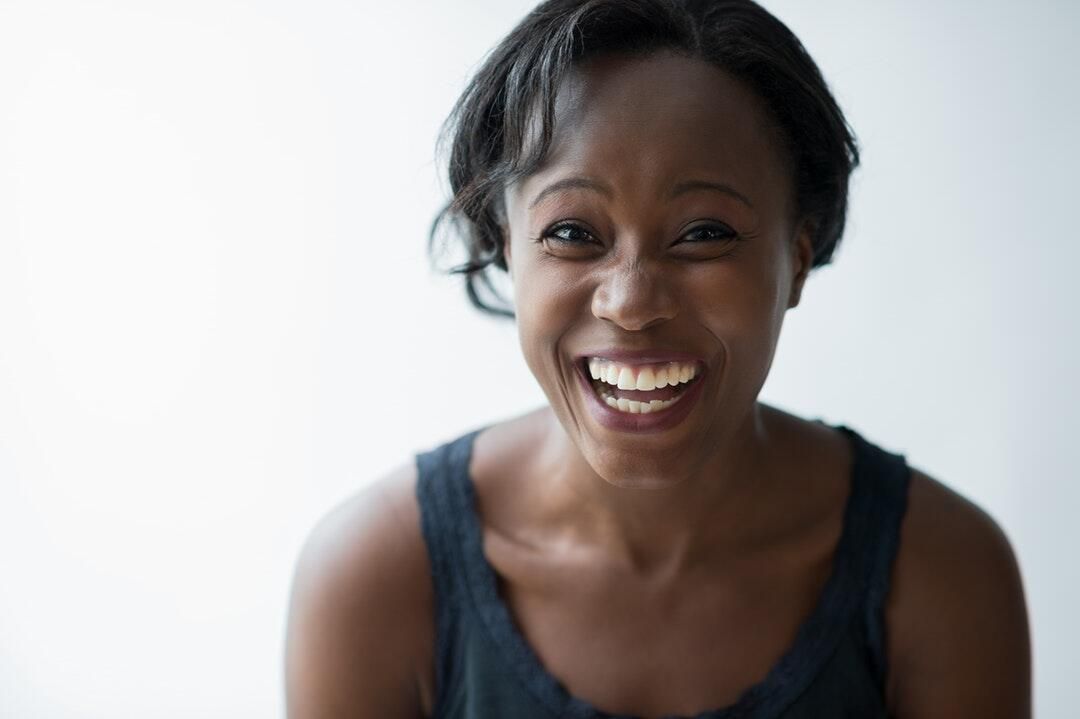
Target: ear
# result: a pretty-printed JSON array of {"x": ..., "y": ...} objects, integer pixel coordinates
[{"x": 802, "y": 260}]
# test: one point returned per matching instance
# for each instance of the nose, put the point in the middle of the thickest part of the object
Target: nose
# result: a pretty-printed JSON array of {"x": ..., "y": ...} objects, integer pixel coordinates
[{"x": 635, "y": 295}]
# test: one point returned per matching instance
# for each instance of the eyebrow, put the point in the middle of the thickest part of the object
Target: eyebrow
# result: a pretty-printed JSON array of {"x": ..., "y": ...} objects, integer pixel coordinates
[
  {"x": 570, "y": 183},
  {"x": 584, "y": 183},
  {"x": 693, "y": 185}
]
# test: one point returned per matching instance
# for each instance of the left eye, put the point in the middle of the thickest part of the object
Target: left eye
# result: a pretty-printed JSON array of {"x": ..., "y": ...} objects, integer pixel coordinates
[{"x": 709, "y": 233}]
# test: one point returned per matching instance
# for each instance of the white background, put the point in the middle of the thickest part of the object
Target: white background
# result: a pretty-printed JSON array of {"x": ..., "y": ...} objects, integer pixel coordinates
[{"x": 217, "y": 319}]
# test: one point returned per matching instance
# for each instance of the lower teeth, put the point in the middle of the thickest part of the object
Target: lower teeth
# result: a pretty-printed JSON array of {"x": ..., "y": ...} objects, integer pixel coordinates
[{"x": 632, "y": 406}]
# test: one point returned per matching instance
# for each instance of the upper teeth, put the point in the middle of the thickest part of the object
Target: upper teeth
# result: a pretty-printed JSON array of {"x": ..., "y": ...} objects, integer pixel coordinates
[{"x": 643, "y": 377}]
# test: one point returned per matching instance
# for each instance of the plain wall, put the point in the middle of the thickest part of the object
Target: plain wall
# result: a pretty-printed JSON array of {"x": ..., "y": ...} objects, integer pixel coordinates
[{"x": 217, "y": 319}]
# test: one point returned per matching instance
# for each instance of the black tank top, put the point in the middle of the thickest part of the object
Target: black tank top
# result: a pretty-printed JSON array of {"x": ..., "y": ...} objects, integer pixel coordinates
[{"x": 484, "y": 668}]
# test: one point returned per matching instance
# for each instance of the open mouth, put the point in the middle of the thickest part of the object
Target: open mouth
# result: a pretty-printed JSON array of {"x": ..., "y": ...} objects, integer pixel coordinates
[{"x": 639, "y": 388}]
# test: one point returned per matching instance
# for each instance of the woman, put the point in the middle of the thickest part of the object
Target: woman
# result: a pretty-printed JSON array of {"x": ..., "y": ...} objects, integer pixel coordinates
[{"x": 658, "y": 178}]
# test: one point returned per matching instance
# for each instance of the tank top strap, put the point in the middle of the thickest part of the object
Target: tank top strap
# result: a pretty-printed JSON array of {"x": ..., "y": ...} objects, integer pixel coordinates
[
  {"x": 884, "y": 479},
  {"x": 444, "y": 499},
  {"x": 441, "y": 474}
]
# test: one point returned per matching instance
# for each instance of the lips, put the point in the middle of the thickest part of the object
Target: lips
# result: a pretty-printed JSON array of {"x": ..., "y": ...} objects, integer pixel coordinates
[{"x": 646, "y": 356}]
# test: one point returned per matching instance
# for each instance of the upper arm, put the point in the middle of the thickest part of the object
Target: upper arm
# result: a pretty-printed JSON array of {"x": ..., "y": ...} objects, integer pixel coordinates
[
  {"x": 360, "y": 624},
  {"x": 957, "y": 622}
]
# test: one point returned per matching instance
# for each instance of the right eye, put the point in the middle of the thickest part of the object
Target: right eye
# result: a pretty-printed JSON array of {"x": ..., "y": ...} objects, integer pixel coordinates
[{"x": 569, "y": 233}]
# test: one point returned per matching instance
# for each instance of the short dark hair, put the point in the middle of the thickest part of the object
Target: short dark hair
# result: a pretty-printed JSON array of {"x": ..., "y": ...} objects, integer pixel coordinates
[{"x": 490, "y": 123}]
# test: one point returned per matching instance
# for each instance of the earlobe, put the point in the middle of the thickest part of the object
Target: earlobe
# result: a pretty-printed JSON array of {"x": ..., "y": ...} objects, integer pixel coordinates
[{"x": 803, "y": 260}]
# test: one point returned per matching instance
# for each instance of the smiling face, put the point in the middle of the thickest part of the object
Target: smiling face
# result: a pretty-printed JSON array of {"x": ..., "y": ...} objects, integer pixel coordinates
[{"x": 656, "y": 242}]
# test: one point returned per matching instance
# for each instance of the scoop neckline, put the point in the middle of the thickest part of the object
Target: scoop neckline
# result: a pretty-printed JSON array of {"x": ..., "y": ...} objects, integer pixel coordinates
[{"x": 815, "y": 640}]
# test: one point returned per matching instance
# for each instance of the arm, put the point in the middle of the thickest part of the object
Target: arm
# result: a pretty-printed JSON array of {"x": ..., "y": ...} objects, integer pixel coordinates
[
  {"x": 360, "y": 628},
  {"x": 958, "y": 634}
]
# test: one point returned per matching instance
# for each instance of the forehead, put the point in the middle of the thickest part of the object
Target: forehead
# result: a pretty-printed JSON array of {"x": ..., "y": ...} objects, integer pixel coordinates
[{"x": 644, "y": 124}]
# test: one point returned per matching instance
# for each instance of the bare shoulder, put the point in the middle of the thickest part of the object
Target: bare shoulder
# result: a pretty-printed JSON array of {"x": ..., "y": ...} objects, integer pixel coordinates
[
  {"x": 361, "y": 624},
  {"x": 957, "y": 626}
]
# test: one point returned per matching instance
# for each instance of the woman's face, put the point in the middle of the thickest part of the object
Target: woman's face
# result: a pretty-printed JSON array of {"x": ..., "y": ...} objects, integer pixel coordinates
[{"x": 657, "y": 240}]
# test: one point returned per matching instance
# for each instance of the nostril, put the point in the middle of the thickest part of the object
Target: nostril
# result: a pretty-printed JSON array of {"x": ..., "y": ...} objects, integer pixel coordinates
[{"x": 635, "y": 309}]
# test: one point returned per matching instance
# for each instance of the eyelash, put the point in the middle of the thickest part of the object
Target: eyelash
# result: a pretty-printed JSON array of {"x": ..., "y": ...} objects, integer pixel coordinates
[
  {"x": 550, "y": 233},
  {"x": 726, "y": 232}
]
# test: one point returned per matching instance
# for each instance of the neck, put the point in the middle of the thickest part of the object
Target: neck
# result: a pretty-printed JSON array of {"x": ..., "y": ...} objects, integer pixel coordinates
[{"x": 660, "y": 532}]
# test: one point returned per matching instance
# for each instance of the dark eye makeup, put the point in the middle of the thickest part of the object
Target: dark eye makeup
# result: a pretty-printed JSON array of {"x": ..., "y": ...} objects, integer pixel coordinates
[
  {"x": 712, "y": 232},
  {"x": 573, "y": 233},
  {"x": 569, "y": 233}
]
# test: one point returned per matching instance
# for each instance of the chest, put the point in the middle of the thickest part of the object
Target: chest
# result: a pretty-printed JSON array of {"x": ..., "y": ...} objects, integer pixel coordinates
[{"x": 653, "y": 648}]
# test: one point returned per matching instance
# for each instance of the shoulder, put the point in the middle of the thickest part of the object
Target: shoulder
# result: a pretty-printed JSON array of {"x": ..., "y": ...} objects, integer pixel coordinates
[
  {"x": 361, "y": 623},
  {"x": 957, "y": 628}
]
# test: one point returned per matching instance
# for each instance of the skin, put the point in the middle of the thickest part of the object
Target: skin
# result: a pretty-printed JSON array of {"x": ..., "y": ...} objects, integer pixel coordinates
[
  {"x": 708, "y": 543},
  {"x": 704, "y": 272}
]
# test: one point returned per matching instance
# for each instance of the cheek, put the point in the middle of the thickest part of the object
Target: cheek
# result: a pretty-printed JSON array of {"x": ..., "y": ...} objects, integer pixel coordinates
[
  {"x": 743, "y": 308},
  {"x": 548, "y": 291},
  {"x": 547, "y": 303},
  {"x": 743, "y": 297}
]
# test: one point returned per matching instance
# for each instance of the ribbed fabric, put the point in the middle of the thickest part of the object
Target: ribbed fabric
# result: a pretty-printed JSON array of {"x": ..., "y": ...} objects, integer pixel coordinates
[{"x": 835, "y": 668}]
